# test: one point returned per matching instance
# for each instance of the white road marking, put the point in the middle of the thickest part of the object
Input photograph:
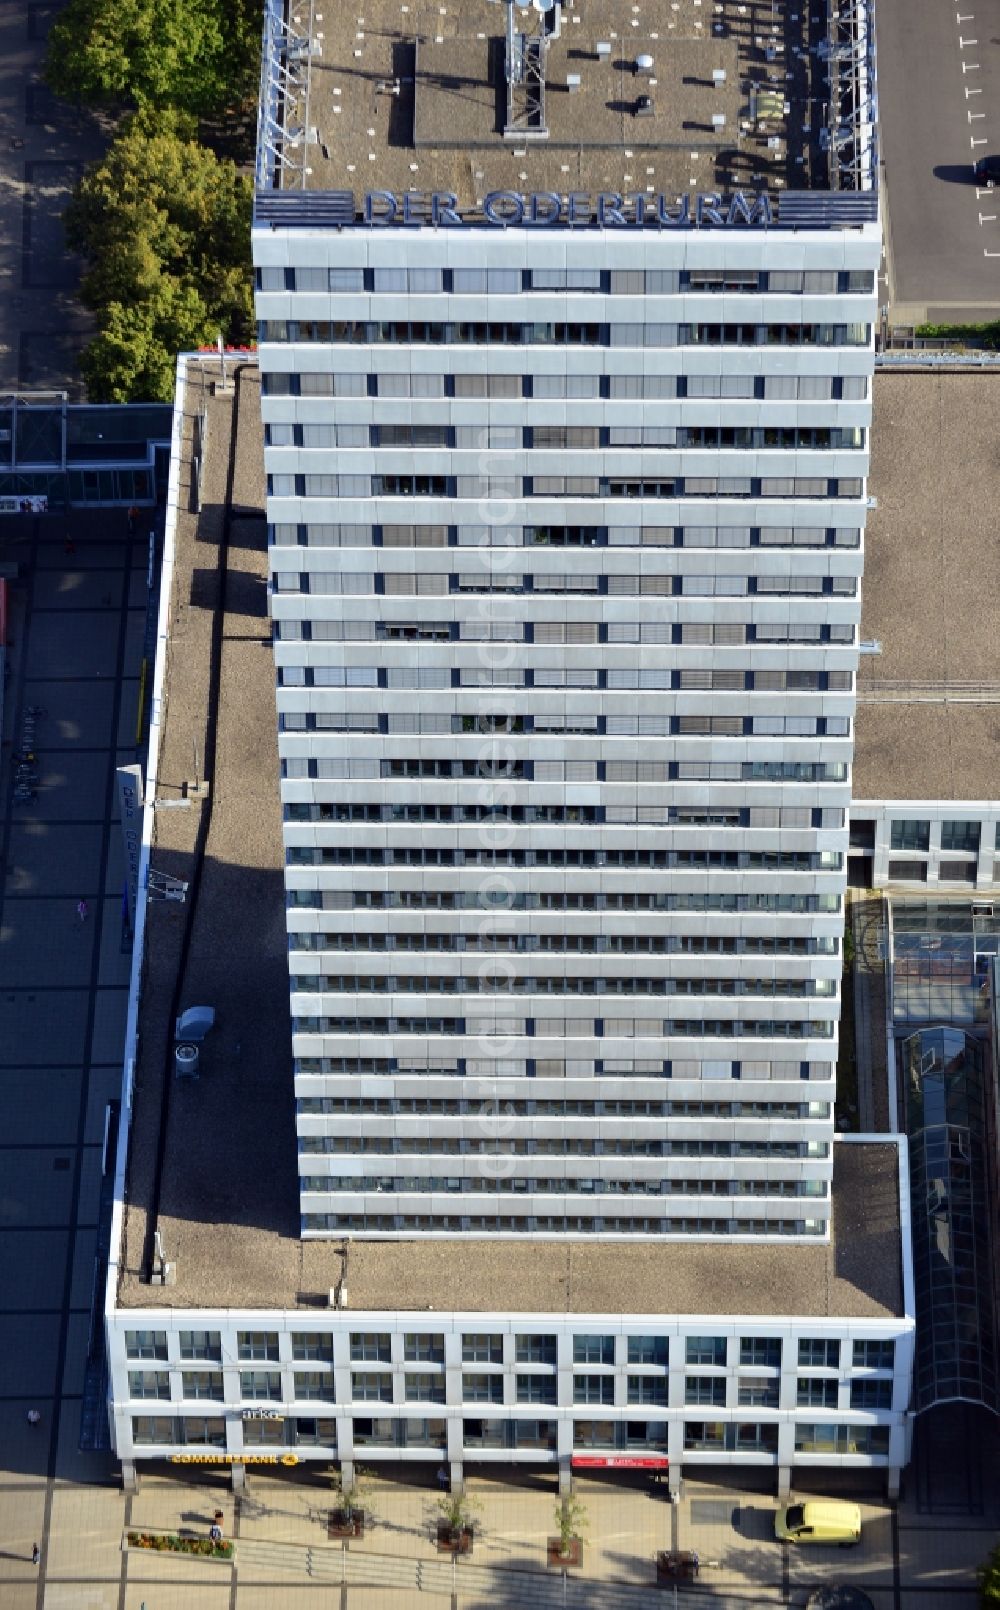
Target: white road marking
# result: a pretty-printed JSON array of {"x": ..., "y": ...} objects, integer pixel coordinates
[
  {"x": 963, "y": 43},
  {"x": 987, "y": 218},
  {"x": 990, "y": 254},
  {"x": 967, "y": 18},
  {"x": 970, "y": 67},
  {"x": 979, "y": 142},
  {"x": 972, "y": 92},
  {"x": 974, "y": 116}
]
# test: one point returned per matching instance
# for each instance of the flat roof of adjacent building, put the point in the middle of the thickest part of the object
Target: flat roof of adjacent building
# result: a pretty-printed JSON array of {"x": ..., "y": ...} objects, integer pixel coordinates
[
  {"x": 931, "y": 592},
  {"x": 857, "y": 1275},
  {"x": 414, "y": 96},
  {"x": 228, "y": 1211}
]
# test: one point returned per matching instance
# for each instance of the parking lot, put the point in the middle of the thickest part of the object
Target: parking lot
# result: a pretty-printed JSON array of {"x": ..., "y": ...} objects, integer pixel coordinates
[{"x": 939, "y": 109}]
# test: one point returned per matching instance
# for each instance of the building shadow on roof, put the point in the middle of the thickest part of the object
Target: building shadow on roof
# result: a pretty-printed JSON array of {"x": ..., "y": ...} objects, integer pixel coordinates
[{"x": 227, "y": 1149}]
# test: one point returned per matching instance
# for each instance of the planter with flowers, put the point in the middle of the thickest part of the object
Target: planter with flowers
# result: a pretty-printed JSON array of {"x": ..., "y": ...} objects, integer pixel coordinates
[{"x": 202, "y": 1548}]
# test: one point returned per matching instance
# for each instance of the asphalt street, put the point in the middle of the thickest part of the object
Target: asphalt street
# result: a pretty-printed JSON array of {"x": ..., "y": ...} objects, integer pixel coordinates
[{"x": 939, "y": 107}]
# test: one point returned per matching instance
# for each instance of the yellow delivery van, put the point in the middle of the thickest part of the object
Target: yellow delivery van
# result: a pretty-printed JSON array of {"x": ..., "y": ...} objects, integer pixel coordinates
[{"x": 819, "y": 1520}]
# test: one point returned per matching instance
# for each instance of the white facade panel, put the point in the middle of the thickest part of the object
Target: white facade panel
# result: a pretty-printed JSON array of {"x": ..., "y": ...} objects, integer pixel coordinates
[
  {"x": 566, "y": 639},
  {"x": 218, "y": 1385}
]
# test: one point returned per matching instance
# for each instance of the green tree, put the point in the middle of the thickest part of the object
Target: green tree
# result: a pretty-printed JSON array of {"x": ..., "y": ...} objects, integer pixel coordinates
[
  {"x": 164, "y": 226},
  {"x": 133, "y": 358},
  {"x": 988, "y": 1578},
  {"x": 196, "y": 55},
  {"x": 156, "y": 202},
  {"x": 459, "y": 1510},
  {"x": 354, "y": 1490},
  {"x": 571, "y": 1519}
]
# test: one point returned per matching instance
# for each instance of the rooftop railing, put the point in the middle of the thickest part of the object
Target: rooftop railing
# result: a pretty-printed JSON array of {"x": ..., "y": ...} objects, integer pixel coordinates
[
  {"x": 283, "y": 131},
  {"x": 850, "y": 135}
]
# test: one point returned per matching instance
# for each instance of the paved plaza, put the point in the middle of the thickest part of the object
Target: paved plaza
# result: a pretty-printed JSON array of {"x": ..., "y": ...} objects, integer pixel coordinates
[
  {"x": 45, "y": 145},
  {"x": 284, "y": 1558},
  {"x": 78, "y": 613}
]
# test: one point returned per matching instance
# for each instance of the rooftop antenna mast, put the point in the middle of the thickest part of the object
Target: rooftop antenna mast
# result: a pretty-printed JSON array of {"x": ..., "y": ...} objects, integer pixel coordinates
[
  {"x": 849, "y": 138},
  {"x": 524, "y": 68},
  {"x": 514, "y": 60}
]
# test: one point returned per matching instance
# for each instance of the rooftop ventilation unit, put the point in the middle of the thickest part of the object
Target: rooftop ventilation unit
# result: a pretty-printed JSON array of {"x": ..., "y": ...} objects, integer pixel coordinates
[
  {"x": 551, "y": 10},
  {"x": 186, "y": 1059},
  {"x": 195, "y": 1023},
  {"x": 644, "y": 64},
  {"x": 644, "y": 106}
]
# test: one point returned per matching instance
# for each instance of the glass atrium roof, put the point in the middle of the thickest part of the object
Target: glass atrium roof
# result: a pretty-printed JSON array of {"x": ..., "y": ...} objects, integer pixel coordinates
[
  {"x": 941, "y": 952},
  {"x": 945, "y": 1115}
]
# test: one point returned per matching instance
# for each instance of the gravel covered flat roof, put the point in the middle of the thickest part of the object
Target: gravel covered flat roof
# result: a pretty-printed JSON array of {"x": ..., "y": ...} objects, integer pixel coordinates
[
  {"x": 931, "y": 592},
  {"x": 857, "y": 1274},
  {"x": 229, "y": 1193},
  {"x": 414, "y": 96}
]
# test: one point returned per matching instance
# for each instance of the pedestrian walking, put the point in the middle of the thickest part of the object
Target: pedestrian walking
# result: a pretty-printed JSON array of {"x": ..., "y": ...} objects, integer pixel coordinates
[
  {"x": 35, "y": 1554},
  {"x": 82, "y": 910},
  {"x": 34, "y": 1418}
]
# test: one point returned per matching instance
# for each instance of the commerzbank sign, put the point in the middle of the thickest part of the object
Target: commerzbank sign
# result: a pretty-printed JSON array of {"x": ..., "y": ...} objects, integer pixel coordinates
[{"x": 543, "y": 209}]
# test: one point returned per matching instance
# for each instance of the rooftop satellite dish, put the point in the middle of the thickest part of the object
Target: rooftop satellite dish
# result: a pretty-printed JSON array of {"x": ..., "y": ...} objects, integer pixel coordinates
[
  {"x": 544, "y": 5},
  {"x": 522, "y": 5}
]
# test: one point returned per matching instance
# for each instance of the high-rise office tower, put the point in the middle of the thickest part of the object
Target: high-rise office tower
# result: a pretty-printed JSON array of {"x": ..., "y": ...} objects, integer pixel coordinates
[
  {"x": 566, "y": 352},
  {"x": 566, "y": 440}
]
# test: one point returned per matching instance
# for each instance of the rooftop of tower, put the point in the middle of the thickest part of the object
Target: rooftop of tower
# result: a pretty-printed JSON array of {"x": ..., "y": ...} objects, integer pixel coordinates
[
  {"x": 654, "y": 97},
  {"x": 228, "y": 1203}
]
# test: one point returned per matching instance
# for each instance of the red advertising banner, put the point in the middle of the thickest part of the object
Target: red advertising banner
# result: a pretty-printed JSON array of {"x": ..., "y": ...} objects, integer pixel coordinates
[{"x": 619, "y": 1461}]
